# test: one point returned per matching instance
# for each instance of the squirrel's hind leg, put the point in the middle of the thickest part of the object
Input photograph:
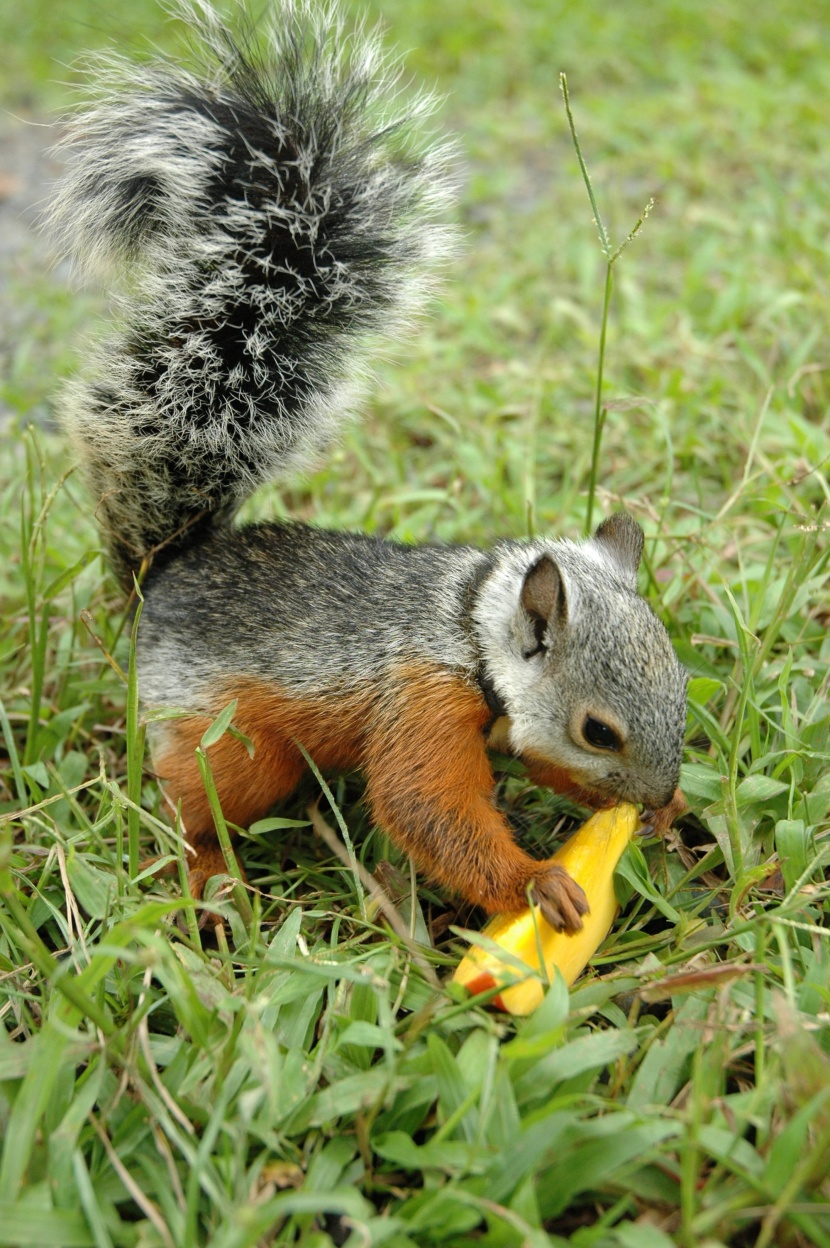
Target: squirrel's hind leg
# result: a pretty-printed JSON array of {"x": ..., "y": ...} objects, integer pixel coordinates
[
  {"x": 247, "y": 788},
  {"x": 330, "y": 729}
]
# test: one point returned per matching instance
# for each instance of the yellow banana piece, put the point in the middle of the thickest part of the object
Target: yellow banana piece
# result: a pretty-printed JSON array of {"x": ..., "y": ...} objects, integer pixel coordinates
[{"x": 590, "y": 857}]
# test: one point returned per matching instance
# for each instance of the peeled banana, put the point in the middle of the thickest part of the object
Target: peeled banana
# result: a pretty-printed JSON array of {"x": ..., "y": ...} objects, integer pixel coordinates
[{"x": 590, "y": 857}]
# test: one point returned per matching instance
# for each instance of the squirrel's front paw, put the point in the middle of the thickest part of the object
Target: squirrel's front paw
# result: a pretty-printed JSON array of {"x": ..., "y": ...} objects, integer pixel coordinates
[{"x": 559, "y": 897}]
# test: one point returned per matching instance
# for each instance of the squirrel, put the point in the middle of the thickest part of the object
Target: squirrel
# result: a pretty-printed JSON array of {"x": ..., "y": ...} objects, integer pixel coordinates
[{"x": 268, "y": 216}]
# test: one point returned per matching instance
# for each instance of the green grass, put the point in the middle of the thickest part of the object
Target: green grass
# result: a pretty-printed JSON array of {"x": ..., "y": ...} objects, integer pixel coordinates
[{"x": 304, "y": 1077}]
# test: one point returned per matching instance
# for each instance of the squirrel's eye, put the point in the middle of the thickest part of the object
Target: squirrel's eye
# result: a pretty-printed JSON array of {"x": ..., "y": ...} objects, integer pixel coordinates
[{"x": 600, "y": 736}]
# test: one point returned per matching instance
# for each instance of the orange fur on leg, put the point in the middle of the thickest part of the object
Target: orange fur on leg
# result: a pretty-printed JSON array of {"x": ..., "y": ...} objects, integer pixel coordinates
[
  {"x": 431, "y": 788},
  {"x": 329, "y": 729}
]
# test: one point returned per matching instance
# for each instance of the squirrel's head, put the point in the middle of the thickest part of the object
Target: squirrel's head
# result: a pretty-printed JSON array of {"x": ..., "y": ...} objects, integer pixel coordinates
[{"x": 585, "y": 670}]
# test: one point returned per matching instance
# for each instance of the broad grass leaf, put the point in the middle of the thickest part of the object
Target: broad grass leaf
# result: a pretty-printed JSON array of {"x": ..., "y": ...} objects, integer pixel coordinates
[
  {"x": 756, "y": 789},
  {"x": 31, "y": 1099},
  {"x": 640, "y": 1234},
  {"x": 89, "y": 1198},
  {"x": 553, "y": 1011},
  {"x": 599, "y": 991},
  {"x": 363, "y": 1011},
  {"x": 537, "y": 1141},
  {"x": 525, "y": 1204},
  {"x": 788, "y": 1147},
  {"x": 219, "y": 726},
  {"x": 504, "y": 1121},
  {"x": 453, "y": 1091},
  {"x": 585, "y": 1053},
  {"x": 608, "y": 1145},
  {"x": 545, "y": 1028},
  {"x": 63, "y": 1138},
  {"x": 278, "y": 1079},
  {"x": 328, "y": 1165},
  {"x": 295, "y": 1082},
  {"x": 74, "y": 766},
  {"x": 15, "y": 1059},
  {"x": 345, "y": 1098},
  {"x": 814, "y": 994},
  {"x": 407, "y": 1111},
  {"x": 814, "y": 807},
  {"x": 368, "y": 1036},
  {"x": 440, "y": 1215},
  {"x": 795, "y": 849},
  {"x": 194, "y": 994},
  {"x": 298, "y": 1018},
  {"x": 698, "y": 780},
  {"x": 38, "y": 773},
  {"x": 284, "y": 941},
  {"x": 27, "y": 1226},
  {"x": 453, "y": 1156},
  {"x": 665, "y": 1064},
  {"x": 477, "y": 1058},
  {"x": 93, "y": 887},
  {"x": 734, "y": 1152},
  {"x": 701, "y": 689},
  {"x": 275, "y": 824},
  {"x": 634, "y": 869}
]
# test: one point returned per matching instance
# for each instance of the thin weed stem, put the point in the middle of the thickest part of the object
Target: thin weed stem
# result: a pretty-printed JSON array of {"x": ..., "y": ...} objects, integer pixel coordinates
[
  {"x": 600, "y": 412},
  {"x": 586, "y": 177},
  {"x": 335, "y": 809},
  {"x": 611, "y": 256},
  {"x": 223, "y": 836},
  {"x": 135, "y": 753}
]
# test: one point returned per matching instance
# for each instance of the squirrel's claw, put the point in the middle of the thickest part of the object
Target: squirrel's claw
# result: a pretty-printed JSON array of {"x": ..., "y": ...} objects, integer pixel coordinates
[{"x": 559, "y": 897}]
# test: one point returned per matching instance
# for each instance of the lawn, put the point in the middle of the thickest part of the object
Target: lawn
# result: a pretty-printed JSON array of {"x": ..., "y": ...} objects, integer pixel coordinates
[{"x": 303, "y": 1075}]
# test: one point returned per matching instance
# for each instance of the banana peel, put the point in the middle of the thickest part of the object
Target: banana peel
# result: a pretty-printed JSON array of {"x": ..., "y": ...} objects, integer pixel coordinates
[{"x": 590, "y": 857}]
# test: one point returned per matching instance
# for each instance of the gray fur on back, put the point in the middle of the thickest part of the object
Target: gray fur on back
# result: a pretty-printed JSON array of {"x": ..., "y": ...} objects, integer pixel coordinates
[{"x": 310, "y": 611}]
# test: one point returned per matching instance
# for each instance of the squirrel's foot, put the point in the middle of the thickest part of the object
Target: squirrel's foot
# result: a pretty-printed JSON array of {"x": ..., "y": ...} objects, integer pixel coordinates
[
  {"x": 206, "y": 860},
  {"x": 559, "y": 897},
  {"x": 209, "y": 861}
]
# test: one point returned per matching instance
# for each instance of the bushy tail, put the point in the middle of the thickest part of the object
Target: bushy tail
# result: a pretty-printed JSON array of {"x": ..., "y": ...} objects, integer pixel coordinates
[{"x": 265, "y": 213}]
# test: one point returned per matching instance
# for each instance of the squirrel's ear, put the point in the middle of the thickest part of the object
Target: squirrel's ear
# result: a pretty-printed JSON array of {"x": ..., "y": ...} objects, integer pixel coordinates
[
  {"x": 624, "y": 539},
  {"x": 543, "y": 600}
]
